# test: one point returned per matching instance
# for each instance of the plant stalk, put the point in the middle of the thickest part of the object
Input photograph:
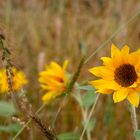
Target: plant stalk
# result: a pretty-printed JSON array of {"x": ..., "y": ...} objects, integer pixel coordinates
[
  {"x": 88, "y": 119},
  {"x": 134, "y": 118}
]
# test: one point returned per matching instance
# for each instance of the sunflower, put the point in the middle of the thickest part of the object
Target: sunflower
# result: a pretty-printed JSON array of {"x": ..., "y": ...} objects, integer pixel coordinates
[
  {"x": 120, "y": 75},
  {"x": 18, "y": 80},
  {"x": 53, "y": 80}
]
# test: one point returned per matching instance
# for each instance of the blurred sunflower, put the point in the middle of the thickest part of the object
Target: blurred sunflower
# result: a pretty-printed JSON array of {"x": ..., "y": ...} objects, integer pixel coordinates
[
  {"x": 18, "y": 80},
  {"x": 53, "y": 80},
  {"x": 119, "y": 75}
]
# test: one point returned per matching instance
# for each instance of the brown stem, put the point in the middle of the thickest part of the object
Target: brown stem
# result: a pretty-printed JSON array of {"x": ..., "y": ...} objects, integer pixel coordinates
[
  {"x": 48, "y": 133},
  {"x": 26, "y": 108}
]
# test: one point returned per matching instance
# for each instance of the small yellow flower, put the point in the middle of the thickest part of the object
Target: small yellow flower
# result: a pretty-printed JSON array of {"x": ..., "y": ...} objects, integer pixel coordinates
[
  {"x": 18, "y": 80},
  {"x": 120, "y": 75},
  {"x": 53, "y": 80}
]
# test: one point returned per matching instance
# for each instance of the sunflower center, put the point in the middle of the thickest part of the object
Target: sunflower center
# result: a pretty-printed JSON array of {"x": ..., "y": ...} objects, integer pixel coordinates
[{"x": 125, "y": 75}]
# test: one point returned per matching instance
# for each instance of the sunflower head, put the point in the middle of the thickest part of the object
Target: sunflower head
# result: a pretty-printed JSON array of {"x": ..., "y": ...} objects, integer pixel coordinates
[
  {"x": 119, "y": 74},
  {"x": 53, "y": 80},
  {"x": 18, "y": 80}
]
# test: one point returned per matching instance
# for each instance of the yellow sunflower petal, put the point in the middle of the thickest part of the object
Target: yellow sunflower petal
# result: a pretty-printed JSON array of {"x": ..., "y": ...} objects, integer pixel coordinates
[
  {"x": 107, "y": 61},
  {"x": 133, "y": 85},
  {"x": 120, "y": 95},
  {"x": 65, "y": 64},
  {"x": 137, "y": 89},
  {"x": 50, "y": 73},
  {"x": 125, "y": 54},
  {"x": 103, "y": 72},
  {"x": 117, "y": 57},
  {"x": 56, "y": 67},
  {"x": 48, "y": 97},
  {"x": 138, "y": 79},
  {"x": 114, "y": 51},
  {"x": 104, "y": 91},
  {"x": 125, "y": 50},
  {"x": 134, "y": 58},
  {"x": 105, "y": 84},
  {"x": 46, "y": 87},
  {"x": 65, "y": 78},
  {"x": 134, "y": 98},
  {"x": 51, "y": 95},
  {"x": 53, "y": 80},
  {"x": 18, "y": 80},
  {"x": 137, "y": 66}
]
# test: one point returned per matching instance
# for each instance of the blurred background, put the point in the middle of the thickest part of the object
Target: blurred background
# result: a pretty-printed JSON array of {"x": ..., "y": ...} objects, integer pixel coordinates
[{"x": 40, "y": 31}]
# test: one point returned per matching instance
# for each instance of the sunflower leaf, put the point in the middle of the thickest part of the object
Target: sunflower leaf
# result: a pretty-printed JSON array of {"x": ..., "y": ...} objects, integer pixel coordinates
[
  {"x": 137, "y": 135},
  {"x": 88, "y": 88},
  {"x": 7, "y": 109},
  {"x": 89, "y": 99},
  {"x": 10, "y": 128},
  {"x": 91, "y": 124}
]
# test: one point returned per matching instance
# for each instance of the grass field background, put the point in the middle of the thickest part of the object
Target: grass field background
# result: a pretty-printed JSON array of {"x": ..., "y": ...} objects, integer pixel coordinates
[{"x": 40, "y": 31}]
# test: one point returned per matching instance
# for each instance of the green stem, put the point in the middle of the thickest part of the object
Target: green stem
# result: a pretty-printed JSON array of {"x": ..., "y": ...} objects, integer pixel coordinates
[
  {"x": 134, "y": 118},
  {"x": 84, "y": 112},
  {"x": 90, "y": 114},
  {"x": 70, "y": 86},
  {"x": 75, "y": 76}
]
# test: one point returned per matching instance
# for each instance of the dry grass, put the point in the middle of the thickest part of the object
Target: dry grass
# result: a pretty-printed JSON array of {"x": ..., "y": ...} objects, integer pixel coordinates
[{"x": 39, "y": 31}]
